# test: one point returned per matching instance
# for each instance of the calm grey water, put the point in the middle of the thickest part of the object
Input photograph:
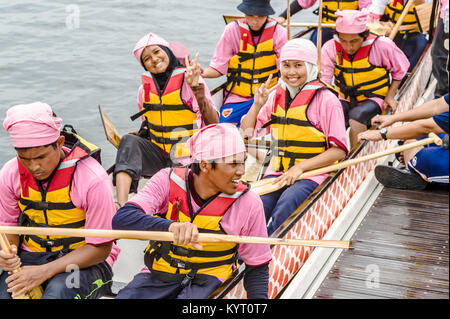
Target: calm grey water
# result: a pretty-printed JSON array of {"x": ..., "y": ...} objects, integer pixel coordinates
[{"x": 76, "y": 55}]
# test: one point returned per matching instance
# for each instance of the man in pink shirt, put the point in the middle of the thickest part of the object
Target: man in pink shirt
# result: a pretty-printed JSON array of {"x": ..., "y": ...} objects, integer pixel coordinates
[
  {"x": 50, "y": 185},
  {"x": 207, "y": 197},
  {"x": 329, "y": 9},
  {"x": 367, "y": 70},
  {"x": 247, "y": 52}
]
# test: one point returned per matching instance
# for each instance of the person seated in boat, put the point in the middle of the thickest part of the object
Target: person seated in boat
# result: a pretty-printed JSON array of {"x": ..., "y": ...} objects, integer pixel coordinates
[
  {"x": 439, "y": 51},
  {"x": 329, "y": 8},
  {"x": 307, "y": 126},
  {"x": 425, "y": 164},
  {"x": 412, "y": 42},
  {"x": 209, "y": 197},
  {"x": 50, "y": 185},
  {"x": 366, "y": 68},
  {"x": 173, "y": 102},
  {"x": 247, "y": 53}
]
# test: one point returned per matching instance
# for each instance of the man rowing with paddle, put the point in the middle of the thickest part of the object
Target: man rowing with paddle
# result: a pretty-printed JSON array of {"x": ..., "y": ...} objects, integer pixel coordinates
[
  {"x": 362, "y": 65},
  {"x": 206, "y": 197},
  {"x": 173, "y": 102},
  {"x": 412, "y": 42},
  {"x": 48, "y": 184},
  {"x": 329, "y": 8},
  {"x": 247, "y": 53}
]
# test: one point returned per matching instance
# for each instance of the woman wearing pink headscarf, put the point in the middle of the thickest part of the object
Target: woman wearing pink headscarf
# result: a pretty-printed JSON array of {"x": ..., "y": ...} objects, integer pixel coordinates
[
  {"x": 307, "y": 126},
  {"x": 173, "y": 102}
]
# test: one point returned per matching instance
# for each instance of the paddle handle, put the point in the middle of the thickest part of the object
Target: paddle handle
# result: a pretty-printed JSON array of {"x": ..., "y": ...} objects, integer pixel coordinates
[
  {"x": 266, "y": 186},
  {"x": 167, "y": 236},
  {"x": 319, "y": 38},
  {"x": 288, "y": 22},
  {"x": 400, "y": 19},
  {"x": 34, "y": 293}
]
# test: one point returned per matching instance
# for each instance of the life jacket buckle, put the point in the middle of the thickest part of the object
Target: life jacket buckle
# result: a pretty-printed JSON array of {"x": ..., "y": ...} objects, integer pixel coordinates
[
  {"x": 42, "y": 205},
  {"x": 187, "y": 279},
  {"x": 48, "y": 243}
]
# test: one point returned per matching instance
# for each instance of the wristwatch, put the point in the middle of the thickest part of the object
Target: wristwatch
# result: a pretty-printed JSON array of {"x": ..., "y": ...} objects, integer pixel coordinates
[{"x": 383, "y": 133}]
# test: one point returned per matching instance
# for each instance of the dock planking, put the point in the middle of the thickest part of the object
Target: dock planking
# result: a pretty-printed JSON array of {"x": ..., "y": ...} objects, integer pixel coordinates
[{"x": 400, "y": 250}]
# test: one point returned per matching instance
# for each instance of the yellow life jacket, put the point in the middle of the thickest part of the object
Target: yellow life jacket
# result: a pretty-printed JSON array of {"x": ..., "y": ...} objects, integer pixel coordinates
[
  {"x": 329, "y": 8},
  {"x": 294, "y": 137},
  {"x": 52, "y": 206},
  {"x": 215, "y": 259},
  {"x": 356, "y": 78},
  {"x": 254, "y": 62},
  {"x": 170, "y": 121},
  {"x": 394, "y": 10}
]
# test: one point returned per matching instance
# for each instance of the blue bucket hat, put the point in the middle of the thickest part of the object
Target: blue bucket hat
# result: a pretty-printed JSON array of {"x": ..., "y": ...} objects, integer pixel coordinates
[{"x": 256, "y": 7}]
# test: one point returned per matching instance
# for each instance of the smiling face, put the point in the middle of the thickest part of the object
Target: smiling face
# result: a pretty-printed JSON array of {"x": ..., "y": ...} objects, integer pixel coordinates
[
  {"x": 293, "y": 72},
  {"x": 255, "y": 22},
  {"x": 41, "y": 161},
  {"x": 155, "y": 59},
  {"x": 225, "y": 176},
  {"x": 350, "y": 42}
]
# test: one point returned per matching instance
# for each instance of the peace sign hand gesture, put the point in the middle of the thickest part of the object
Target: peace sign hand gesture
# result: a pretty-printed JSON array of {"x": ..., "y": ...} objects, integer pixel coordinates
[
  {"x": 193, "y": 71},
  {"x": 262, "y": 92}
]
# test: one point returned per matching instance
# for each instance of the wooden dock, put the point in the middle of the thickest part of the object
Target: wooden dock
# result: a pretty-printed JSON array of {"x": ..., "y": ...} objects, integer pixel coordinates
[{"x": 400, "y": 250}]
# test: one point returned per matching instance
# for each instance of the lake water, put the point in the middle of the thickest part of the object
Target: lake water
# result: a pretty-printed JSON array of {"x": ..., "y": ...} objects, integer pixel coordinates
[{"x": 76, "y": 55}]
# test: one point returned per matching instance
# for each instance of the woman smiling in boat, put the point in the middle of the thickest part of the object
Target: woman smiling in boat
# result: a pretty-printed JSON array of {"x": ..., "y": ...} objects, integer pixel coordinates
[
  {"x": 307, "y": 127},
  {"x": 173, "y": 102}
]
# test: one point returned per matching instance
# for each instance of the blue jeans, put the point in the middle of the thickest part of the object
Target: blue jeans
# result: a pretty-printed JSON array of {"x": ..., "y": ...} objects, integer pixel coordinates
[
  {"x": 94, "y": 281},
  {"x": 413, "y": 46},
  {"x": 281, "y": 204}
]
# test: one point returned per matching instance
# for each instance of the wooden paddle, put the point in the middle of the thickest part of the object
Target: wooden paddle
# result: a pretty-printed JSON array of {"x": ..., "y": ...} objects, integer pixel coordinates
[
  {"x": 112, "y": 135},
  {"x": 288, "y": 22},
  {"x": 319, "y": 39},
  {"x": 266, "y": 186},
  {"x": 36, "y": 292},
  {"x": 168, "y": 236},
  {"x": 400, "y": 19}
]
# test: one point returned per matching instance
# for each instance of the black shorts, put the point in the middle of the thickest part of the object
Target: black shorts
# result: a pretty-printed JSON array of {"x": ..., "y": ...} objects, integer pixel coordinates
[
  {"x": 361, "y": 112},
  {"x": 139, "y": 157}
]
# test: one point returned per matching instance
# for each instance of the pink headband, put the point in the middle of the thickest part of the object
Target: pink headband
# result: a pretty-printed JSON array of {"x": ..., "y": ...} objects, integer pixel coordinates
[
  {"x": 299, "y": 50},
  {"x": 351, "y": 21},
  {"x": 31, "y": 125},
  {"x": 145, "y": 41},
  {"x": 216, "y": 141}
]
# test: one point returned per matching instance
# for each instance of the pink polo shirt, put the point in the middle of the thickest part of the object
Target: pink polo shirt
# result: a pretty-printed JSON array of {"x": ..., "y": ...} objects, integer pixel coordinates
[
  {"x": 384, "y": 53},
  {"x": 244, "y": 218},
  {"x": 305, "y": 4},
  {"x": 229, "y": 45},
  {"x": 188, "y": 98},
  {"x": 91, "y": 191},
  {"x": 325, "y": 113}
]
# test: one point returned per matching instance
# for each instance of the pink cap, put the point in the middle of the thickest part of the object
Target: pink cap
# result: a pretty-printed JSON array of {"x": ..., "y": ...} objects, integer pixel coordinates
[
  {"x": 351, "y": 21},
  {"x": 31, "y": 125},
  {"x": 216, "y": 141},
  {"x": 299, "y": 50},
  {"x": 145, "y": 41}
]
